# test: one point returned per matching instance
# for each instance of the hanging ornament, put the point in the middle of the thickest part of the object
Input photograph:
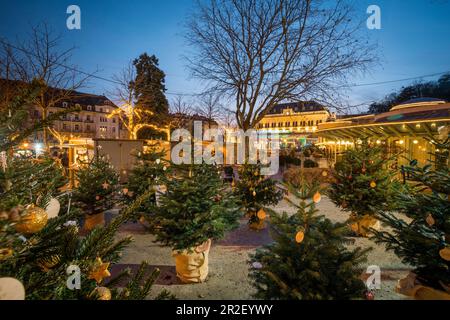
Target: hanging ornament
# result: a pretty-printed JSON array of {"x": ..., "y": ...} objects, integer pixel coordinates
[
  {"x": 125, "y": 191},
  {"x": 217, "y": 198},
  {"x": 103, "y": 293},
  {"x": 105, "y": 185},
  {"x": 47, "y": 264},
  {"x": 430, "y": 220},
  {"x": 363, "y": 170},
  {"x": 344, "y": 204},
  {"x": 317, "y": 197},
  {"x": 370, "y": 295},
  {"x": 373, "y": 184},
  {"x": 299, "y": 237},
  {"x": 100, "y": 270},
  {"x": 97, "y": 198},
  {"x": 4, "y": 215},
  {"x": 324, "y": 174},
  {"x": 350, "y": 177},
  {"x": 53, "y": 208},
  {"x": 254, "y": 193},
  {"x": 257, "y": 265},
  {"x": 445, "y": 253},
  {"x": 11, "y": 289},
  {"x": 5, "y": 253},
  {"x": 158, "y": 161},
  {"x": 261, "y": 214},
  {"x": 33, "y": 220},
  {"x": 233, "y": 184},
  {"x": 164, "y": 168}
]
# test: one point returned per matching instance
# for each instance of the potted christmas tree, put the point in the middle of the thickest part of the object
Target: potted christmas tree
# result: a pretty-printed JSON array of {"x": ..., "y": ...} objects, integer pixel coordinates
[
  {"x": 363, "y": 183},
  {"x": 195, "y": 209},
  {"x": 145, "y": 176},
  {"x": 97, "y": 184},
  {"x": 424, "y": 241},
  {"x": 255, "y": 192},
  {"x": 308, "y": 259}
]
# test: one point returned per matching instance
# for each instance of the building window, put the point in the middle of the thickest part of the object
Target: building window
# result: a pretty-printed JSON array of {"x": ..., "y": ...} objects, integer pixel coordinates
[
  {"x": 267, "y": 125},
  {"x": 64, "y": 126},
  {"x": 114, "y": 130},
  {"x": 114, "y": 120},
  {"x": 101, "y": 109},
  {"x": 88, "y": 118},
  {"x": 77, "y": 127},
  {"x": 89, "y": 108},
  {"x": 288, "y": 124},
  {"x": 295, "y": 124},
  {"x": 77, "y": 117},
  {"x": 280, "y": 124},
  {"x": 65, "y": 104},
  {"x": 88, "y": 128}
]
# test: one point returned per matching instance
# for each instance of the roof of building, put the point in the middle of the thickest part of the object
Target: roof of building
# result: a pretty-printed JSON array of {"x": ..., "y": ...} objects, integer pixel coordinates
[
  {"x": 73, "y": 97},
  {"x": 301, "y": 106},
  {"x": 418, "y": 102}
]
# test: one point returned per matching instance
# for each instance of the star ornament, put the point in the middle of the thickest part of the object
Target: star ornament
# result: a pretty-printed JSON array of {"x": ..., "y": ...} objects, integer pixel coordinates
[
  {"x": 105, "y": 185},
  {"x": 100, "y": 270}
]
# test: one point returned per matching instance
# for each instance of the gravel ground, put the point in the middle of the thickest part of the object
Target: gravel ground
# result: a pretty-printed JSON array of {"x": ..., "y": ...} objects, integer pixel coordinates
[{"x": 228, "y": 262}]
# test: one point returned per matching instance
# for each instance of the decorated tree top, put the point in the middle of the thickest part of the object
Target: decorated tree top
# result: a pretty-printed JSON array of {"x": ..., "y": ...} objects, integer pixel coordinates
[
  {"x": 308, "y": 259},
  {"x": 423, "y": 241},
  {"x": 196, "y": 207},
  {"x": 364, "y": 182}
]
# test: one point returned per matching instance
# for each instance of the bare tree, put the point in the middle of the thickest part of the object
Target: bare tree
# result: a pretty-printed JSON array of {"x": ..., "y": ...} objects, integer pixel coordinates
[
  {"x": 262, "y": 52},
  {"x": 181, "y": 111},
  {"x": 132, "y": 117},
  {"x": 209, "y": 107},
  {"x": 41, "y": 57}
]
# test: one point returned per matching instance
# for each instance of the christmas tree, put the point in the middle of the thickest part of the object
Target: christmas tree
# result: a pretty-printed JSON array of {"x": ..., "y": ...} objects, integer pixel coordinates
[
  {"x": 196, "y": 207},
  {"x": 39, "y": 250},
  {"x": 255, "y": 192},
  {"x": 363, "y": 184},
  {"x": 97, "y": 187},
  {"x": 308, "y": 259},
  {"x": 146, "y": 175},
  {"x": 423, "y": 241}
]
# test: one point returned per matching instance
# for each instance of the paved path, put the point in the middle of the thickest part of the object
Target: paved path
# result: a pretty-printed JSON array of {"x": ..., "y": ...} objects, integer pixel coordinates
[{"x": 228, "y": 276}]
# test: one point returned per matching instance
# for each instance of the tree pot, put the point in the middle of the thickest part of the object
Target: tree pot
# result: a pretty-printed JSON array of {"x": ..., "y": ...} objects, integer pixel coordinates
[
  {"x": 93, "y": 220},
  {"x": 192, "y": 265},
  {"x": 410, "y": 287},
  {"x": 361, "y": 225}
]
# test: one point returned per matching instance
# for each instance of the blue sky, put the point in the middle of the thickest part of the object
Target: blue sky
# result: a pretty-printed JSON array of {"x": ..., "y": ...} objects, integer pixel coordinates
[{"x": 414, "y": 39}]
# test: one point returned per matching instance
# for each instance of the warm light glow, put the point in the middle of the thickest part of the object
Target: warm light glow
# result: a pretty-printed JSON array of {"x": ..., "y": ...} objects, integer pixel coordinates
[
  {"x": 378, "y": 142},
  {"x": 418, "y": 125},
  {"x": 433, "y": 125},
  {"x": 415, "y": 142},
  {"x": 25, "y": 145},
  {"x": 401, "y": 141}
]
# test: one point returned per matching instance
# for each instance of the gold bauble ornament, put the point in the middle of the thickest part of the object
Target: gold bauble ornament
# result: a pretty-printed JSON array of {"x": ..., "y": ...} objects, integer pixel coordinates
[
  {"x": 254, "y": 193},
  {"x": 33, "y": 220},
  {"x": 261, "y": 214},
  {"x": 324, "y": 173},
  {"x": 430, "y": 220},
  {"x": 47, "y": 264},
  {"x": 373, "y": 184},
  {"x": 5, "y": 253},
  {"x": 99, "y": 271},
  {"x": 103, "y": 293},
  {"x": 445, "y": 253},
  {"x": 317, "y": 197},
  {"x": 299, "y": 237}
]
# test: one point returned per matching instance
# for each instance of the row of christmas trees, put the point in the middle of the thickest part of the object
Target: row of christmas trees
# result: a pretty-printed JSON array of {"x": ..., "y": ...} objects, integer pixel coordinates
[{"x": 188, "y": 206}]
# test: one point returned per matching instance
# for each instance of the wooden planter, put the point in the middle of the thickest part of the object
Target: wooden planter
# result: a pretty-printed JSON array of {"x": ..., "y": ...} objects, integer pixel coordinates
[
  {"x": 361, "y": 226},
  {"x": 94, "y": 220},
  {"x": 192, "y": 265}
]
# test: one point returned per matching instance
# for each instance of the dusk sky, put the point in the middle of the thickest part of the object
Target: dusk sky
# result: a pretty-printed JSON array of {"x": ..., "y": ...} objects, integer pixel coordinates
[{"x": 414, "y": 39}]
